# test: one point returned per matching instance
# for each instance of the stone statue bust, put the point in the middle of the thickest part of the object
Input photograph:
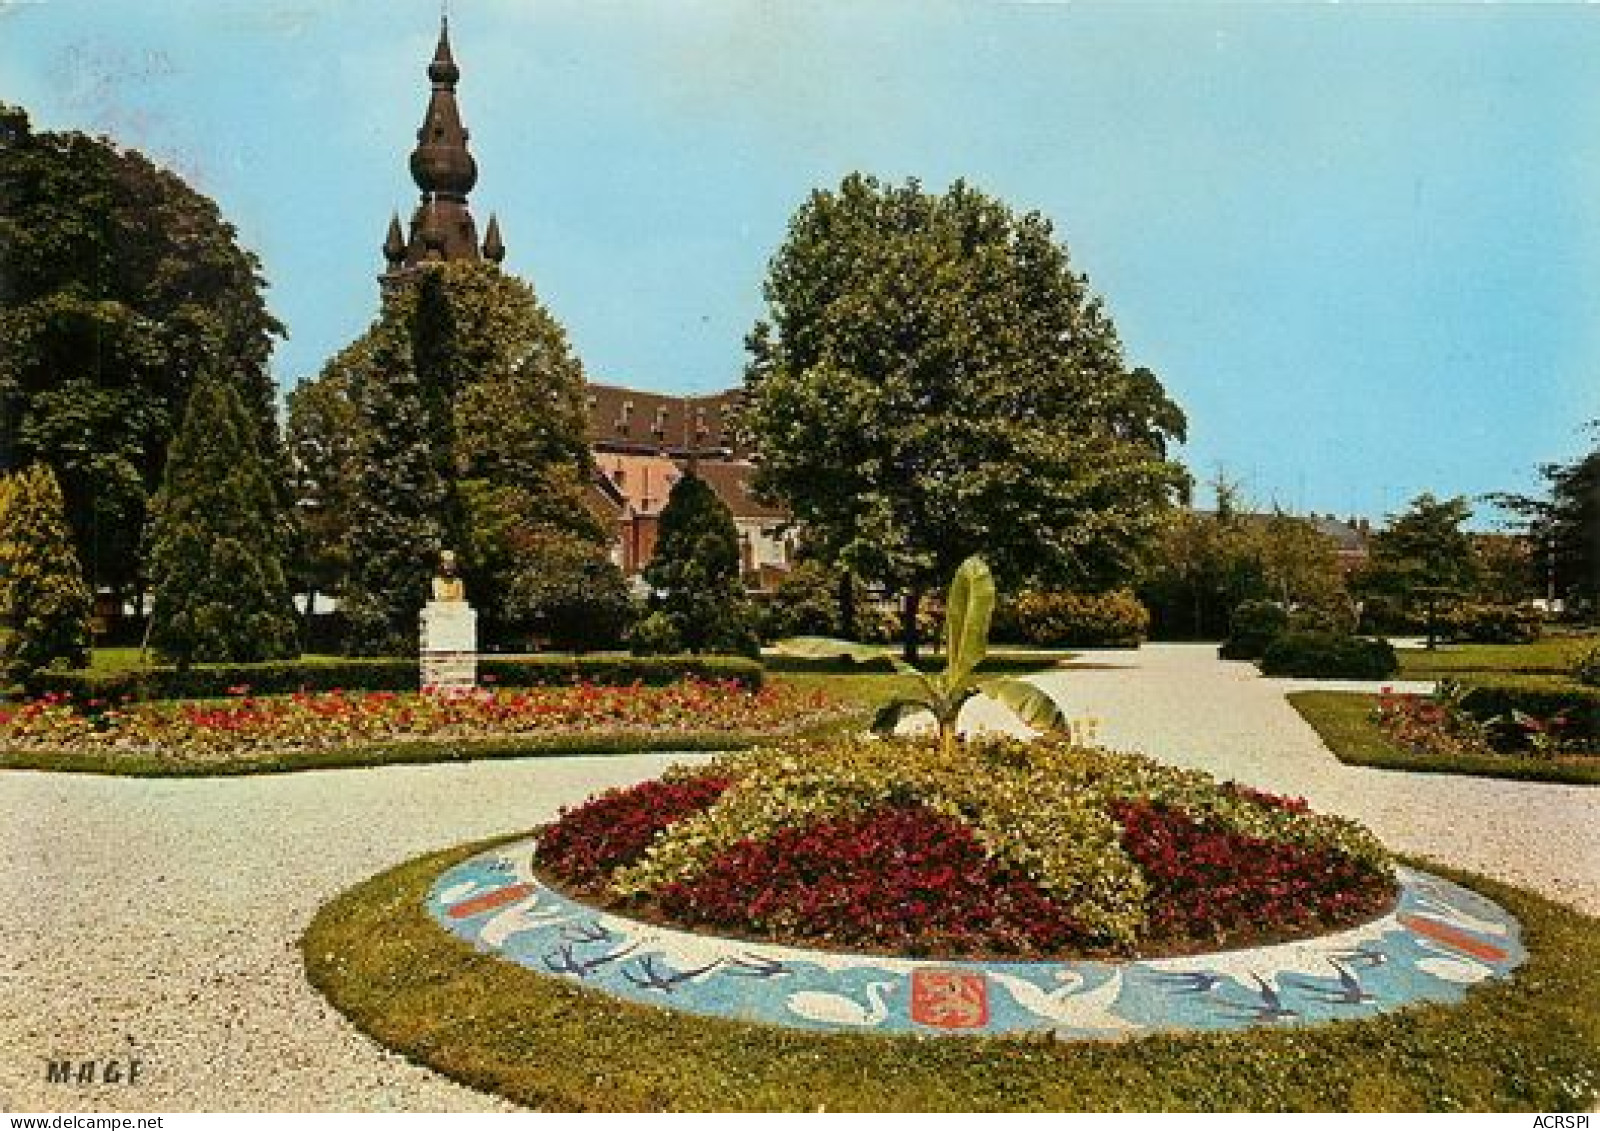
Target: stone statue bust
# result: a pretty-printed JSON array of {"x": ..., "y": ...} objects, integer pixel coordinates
[{"x": 447, "y": 583}]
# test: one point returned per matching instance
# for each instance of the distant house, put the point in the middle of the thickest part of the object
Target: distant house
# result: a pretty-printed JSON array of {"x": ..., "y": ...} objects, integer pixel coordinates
[
  {"x": 1350, "y": 537},
  {"x": 644, "y": 442}
]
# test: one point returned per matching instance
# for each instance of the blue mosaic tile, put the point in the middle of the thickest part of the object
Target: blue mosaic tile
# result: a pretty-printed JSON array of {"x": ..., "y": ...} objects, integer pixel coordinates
[{"x": 1440, "y": 941}]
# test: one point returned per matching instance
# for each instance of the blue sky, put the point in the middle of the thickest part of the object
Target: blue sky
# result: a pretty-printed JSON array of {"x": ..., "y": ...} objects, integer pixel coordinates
[{"x": 1360, "y": 243}]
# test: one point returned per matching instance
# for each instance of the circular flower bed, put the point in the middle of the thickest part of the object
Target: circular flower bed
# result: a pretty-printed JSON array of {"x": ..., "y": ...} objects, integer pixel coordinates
[{"x": 1039, "y": 849}]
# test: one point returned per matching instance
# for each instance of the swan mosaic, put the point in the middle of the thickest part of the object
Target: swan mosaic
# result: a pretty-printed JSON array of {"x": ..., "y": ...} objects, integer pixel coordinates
[{"x": 1439, "y": 941}]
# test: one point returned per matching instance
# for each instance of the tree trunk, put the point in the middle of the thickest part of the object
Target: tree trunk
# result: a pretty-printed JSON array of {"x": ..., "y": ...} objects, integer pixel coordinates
[
  {"x": 847, "y": 605},
  {"x": 908, "y": 624}
]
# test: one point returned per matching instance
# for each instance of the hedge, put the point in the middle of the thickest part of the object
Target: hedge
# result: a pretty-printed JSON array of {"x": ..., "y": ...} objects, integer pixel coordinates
[
  {"x": 1491, "y": 696},
  {"x": 1324, "y": 655},
  {"x": 1253, "y": 626},
  {"x": 211, "y": 681},
  {"x": 1056, "y": 619},
  {"x": 1494, "y": 624}
]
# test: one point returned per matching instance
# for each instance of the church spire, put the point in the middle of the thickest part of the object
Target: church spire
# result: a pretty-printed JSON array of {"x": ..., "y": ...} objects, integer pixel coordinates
[{"x": 442, "y": 228}]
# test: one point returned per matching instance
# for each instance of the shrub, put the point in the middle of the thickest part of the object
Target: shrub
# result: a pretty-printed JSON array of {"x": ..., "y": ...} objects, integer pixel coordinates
[
  {"x": 654, "y": 635},
  {"x": 564, "y": 592},
  {"x": 1336, "y": 615},
  {"x": 1253, "y": 626},
  {"x": 1329, "y": 656},
  {"x": 214, "y": 681},
  {"x": 1384, "y": 614},
  {"x": 805, "y": 603},
  {"x": 1587, "y": 670},
  {"x": 1494, "y": 624},
  {"x": 1056, "y": 619},
  {"x": 880, "y": 624},
  {"x": 1503, "y": 696}
]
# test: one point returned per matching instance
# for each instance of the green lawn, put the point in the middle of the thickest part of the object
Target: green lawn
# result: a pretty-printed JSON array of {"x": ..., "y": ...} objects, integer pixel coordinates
[
  {"x": 1526, "y": 1044},
  {"x": 1343, "y": 719},
  {"x": 1552, "y": 655}
]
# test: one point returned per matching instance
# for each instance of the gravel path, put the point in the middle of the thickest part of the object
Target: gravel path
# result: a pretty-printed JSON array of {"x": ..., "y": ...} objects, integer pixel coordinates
[{"x": 159, "y": 918}]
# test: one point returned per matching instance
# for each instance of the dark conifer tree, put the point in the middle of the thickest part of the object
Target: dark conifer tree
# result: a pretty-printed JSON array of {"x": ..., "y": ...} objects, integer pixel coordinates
[
  {"x": 397, "y": 524},
  {"x": 695, "y": 572},
  {"x": 217, "y": 540}
]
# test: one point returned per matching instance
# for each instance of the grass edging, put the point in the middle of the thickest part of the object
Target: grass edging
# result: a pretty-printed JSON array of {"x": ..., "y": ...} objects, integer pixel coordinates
[
  {"x": 1342, "y": 720},
  {"x": 1527, "y": 1044}
]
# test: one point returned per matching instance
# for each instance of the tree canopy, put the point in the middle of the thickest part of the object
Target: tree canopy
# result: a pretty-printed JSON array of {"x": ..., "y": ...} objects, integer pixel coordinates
[
  {"x": 121, "y": 284},
  {"x": 1425, "y": 557},
  {"x": 1564, "y": 526},
  {"x": 494, "y": 427},
  {"x": 934, "y": 380},
  {"x": 1211, "y": 562}
]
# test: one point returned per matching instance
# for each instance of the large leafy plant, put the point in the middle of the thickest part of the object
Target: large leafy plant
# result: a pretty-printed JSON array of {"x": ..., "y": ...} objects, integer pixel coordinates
[{"x": 969, "y": 609}]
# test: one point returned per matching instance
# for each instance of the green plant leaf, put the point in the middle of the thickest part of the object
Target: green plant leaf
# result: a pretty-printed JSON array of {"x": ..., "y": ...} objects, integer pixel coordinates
[
  {"x": 1032, "y": 705},
  {"x": 967, "y": 614},
  {"x": 890, "y": 715}
]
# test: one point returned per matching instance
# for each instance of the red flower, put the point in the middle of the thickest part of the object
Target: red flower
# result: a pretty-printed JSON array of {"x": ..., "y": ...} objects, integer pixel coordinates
[{"x": 614, "y": 829}]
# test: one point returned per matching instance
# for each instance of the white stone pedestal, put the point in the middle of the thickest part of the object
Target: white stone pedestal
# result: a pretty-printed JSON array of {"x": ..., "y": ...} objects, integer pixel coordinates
[{"x": 449, "y": 646}]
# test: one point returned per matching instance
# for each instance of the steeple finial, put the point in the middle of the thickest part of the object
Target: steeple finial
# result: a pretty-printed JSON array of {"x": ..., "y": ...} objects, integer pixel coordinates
[
  {"x": 394, "y": 245},
  {"x": 494, "y": 248},
  {"x": 443, "y": 70}
]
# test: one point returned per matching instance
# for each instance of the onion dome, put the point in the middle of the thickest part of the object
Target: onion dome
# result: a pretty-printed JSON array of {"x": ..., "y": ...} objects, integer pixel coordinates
[{"x": 440, "y": 163}]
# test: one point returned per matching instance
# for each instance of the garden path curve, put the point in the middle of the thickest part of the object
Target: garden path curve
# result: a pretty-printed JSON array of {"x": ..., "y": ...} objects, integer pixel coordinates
[{"x": 161, "y": 917}]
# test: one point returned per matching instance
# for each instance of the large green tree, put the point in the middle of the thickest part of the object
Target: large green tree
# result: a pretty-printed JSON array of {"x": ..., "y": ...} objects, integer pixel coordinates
[
  {"x": 934, "y": 380},
  {"x": 1564, "y": 527},
  {"x": 218, "y": 551},
  {"x": 694, "y": 572},
  {"x": 120, "y": 285},
  {"x": 44, "y": 601},
  {"x": 1425, "y": 556}
]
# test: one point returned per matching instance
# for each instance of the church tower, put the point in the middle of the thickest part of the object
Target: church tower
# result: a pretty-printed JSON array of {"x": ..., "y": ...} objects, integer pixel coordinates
[{"x": 442, "y": 228}]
